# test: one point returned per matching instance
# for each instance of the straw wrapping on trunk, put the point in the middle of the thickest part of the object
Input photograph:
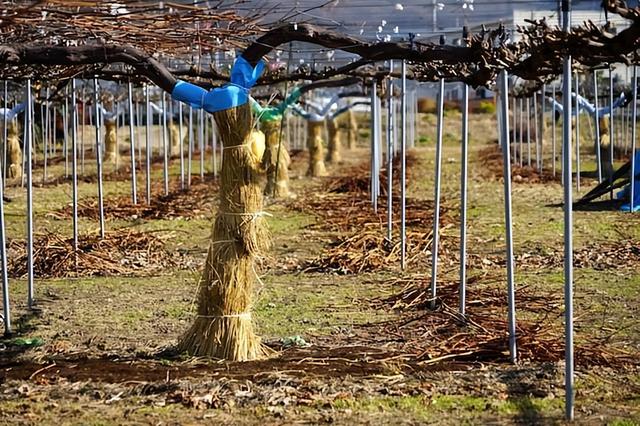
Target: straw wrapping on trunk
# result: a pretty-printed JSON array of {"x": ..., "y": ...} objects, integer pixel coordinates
[
  {"x": 604, "y": 132},
  {"x": 110, "y": 141},
  {"x": 14, "y": 152},
  {"x": 334, "y": 144},
  {"x": 276, "y": 161},
  {"x": 223, "y": 327},
  {"x": 352, "y": 138},
  {"x": 316, "y": 149},
  {"x": 174, "y": 138}
]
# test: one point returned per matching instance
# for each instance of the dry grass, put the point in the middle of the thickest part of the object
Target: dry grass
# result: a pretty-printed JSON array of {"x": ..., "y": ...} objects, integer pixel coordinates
[{"x": 121, "y": 252}]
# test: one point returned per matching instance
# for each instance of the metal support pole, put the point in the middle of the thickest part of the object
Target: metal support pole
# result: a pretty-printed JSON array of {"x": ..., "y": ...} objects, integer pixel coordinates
[
  {"x": 397, "y": 137},
  {"x": 74, "y": 162},
  {"x": 417, "y": 113},
  {"x": 536, "y": 126},
  {"x": 28, "y": 129},
  {"x": 149, "y": 123},
  {"x": 165, "y": 146},
  {"x": 201, "y": 141},
  {"x": 190, "y": 153},
  {"x": 514, "y": 108},
  {"x": 506, "y": 164},
  {"x": 577, "y": 136},
  {"x": 6, "y": 308},
  {"x": 91, "y": 124},
  {"x": 611, "y": 126},
  {"x": 4, "y": 137},
  {"x": 378, "y": 150},
  {"x": 498, "y": 118},
  {"x": 390, "y": 156},
  {"x": 52, "y": 151},
  {"x": 412, "y": 120},
  {"x": 374, "y": 153},
  {"x": 597, "y": 123},
  {"x": 132, "y": 148},
  {"x": 96, "y": 89},
  {"x": 624, "y": 123},
  {"x": 403, "y": 168},
  {"x": 84, "y": 107},
  {"x": 624, "y": 119},
  {"x": 553, "y": 132},
  {"x": 464, "y": 158},
  {"x": 45, "y": 120},
  {"x": 521, "y": 138},
  {"x": 181, "y": 145},
  {"x": 542, "y": 115},
  {"x": 117, "y": 151},
  {"x": 436, "y": 197},
  {"x": 568, "y": 219},
  {"x": 139, "y": 140},
  {"x": 634, "y": 114},
  {"x": 65, "y": 123},
  {"x": 528, "y": 132}
]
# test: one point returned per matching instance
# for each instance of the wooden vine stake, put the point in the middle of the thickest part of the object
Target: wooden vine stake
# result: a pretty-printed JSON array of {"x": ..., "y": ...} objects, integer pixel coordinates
[{"x": 223, "y": 327}]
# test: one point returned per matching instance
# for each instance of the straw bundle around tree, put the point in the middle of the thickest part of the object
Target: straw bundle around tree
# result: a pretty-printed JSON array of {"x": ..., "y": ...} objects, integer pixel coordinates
[
  {"x": 174, "y": 138},
  {"x": 314, "y": 145},
  {"x": 605, "y": 145},
  {"x": 277, "y": 169},
  {"x": 604, "y": 132},
  {"x": 352, "y": 138},
  {"x": 334, "y": 145},
  {"x": 223, "y": 327},
  {"x": 110, "y": 141},
  {"x": 256, "y": 144},
  {"x": 14, "y": 152}
]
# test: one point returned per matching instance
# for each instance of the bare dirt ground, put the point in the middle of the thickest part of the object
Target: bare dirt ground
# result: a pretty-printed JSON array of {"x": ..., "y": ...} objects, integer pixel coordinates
[{"x": 355, "y": 340}]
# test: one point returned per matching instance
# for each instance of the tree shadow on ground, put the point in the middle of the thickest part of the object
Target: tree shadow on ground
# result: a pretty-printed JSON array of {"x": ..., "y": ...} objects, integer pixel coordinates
[
  {"x": 592, "y": 206},
  {"x": 523, "y": 385},
  {"x": 588, "y": 174},
  {"x": 599, "y": 206}
]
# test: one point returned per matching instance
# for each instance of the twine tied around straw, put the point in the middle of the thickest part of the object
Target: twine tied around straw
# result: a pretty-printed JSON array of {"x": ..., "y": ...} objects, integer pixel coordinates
[
  {"x": 243, "y": 145},
  {"x": 243, "y": 315},
  {"x": 253, "y": 215}
]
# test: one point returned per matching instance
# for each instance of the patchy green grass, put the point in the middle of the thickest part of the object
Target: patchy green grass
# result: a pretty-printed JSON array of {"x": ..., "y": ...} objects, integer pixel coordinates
[
  {"x": 283, "y": 222},
  {"x": 454, "y": 408},
  {"x": 312, "y": 304}
]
